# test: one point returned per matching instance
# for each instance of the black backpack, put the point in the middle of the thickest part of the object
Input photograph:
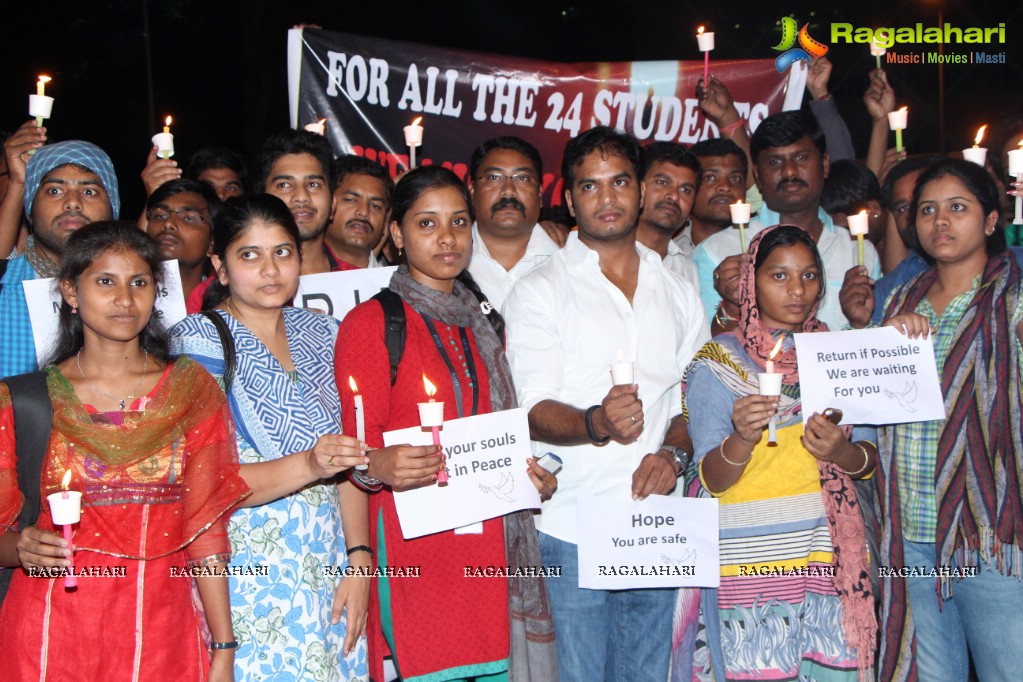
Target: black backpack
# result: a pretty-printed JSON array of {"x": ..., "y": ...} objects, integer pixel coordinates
[
  {"x": 33, "y": 419},
  {"x": 394, "y": 321}
]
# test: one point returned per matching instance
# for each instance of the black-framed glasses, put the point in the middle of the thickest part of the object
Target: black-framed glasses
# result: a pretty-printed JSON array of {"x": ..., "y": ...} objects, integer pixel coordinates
[{"x": 189, "y": 216}]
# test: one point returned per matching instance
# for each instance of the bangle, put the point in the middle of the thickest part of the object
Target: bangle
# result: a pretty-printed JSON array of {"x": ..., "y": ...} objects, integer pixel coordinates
[
  {"x": 866, "y": 461},
  {"x": 721, "y": 451},
  {"x": 731, "y": 127},
  {"x": 366, "y": 481},
  {"x": 589, "y": 427},
  {"x": 233, "y": 644},
  {"x": 360, "y": 548},
  {"x": 722, "y": 317}
]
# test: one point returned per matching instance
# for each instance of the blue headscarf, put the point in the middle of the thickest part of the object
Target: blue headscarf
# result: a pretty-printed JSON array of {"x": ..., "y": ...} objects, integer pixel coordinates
[{"x": 77, "y": 152}]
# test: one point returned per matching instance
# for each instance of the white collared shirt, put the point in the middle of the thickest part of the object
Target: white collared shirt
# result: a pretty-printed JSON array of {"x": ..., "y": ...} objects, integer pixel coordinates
[
  {"x": 682, "y": 264},
  {"x": 838, "y": 253},
  {"x": 566, "y": 324},
  {"x": 492, "y": 278}
]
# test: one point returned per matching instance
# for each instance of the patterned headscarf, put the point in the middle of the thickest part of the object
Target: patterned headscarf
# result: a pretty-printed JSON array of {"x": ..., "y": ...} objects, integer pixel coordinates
[
  {"x": 76, "y": 152},
  {"x": 756, "y": 338}
]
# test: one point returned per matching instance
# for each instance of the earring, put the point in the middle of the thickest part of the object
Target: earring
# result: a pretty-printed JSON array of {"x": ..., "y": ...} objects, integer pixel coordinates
[{"x": 74, "y": 310}]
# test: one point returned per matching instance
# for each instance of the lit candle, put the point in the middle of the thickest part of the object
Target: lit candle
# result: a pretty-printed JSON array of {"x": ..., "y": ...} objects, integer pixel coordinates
[
  {"x": 740, "y": 216},
  {"x": 319, "y": 127},
  {"x": 39, "y": 105},
  {"x": 859, "y": 226},
  {"x": 164, "y": 141},
  {"x": 897, "y": 122},
  {"x": 431, "y": 414},
  {"x": 1016, "y": 170},
  {"x": 66, "y": 510},
  {"x": 623, "y": 373},
  {"x": 976, "y": 153},
  {"x": 706, "y": 43},
  {"x": 876, "y": 50},
  {"x": 360, "y": 418},
  {"x": 770, "y": 384},
  {"x": 413, "y": 139}
]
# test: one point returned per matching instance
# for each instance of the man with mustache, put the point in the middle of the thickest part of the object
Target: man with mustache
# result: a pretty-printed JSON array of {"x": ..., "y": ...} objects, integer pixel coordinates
[
  {"x": 67, "y": 185},
  {"x": 179, "y": 216},
  {"x": 671, "y": 176},
  {"x": 790, "y": 164},
  {"x": 505, "y": 180},
  {"x": 362, "y": 205}
]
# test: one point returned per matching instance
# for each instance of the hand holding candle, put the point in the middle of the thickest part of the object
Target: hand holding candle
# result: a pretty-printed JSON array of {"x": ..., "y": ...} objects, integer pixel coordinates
[
  {"x": 976, "y": 153},
  {"x": 66, "y": 510},
  {"x": 740, "y": 216},
  {"x": 770, "y": 384},
  {"x": 431, "y": 415},
  {"x": 164, "y": 141},
  {"x": 413, "y": 139},
  {"x": 897, "y": 122},
  {"x": 39, "y": 105},
  {"x": 360, "y": 418},
  {"x": 706, "y": 44},
  {"x": 1016, "y": 170},
  {"x": 859, "y": 226}
]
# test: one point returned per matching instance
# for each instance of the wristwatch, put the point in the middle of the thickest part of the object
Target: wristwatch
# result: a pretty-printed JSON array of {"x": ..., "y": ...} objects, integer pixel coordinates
[{"x": 680, "y": 456}]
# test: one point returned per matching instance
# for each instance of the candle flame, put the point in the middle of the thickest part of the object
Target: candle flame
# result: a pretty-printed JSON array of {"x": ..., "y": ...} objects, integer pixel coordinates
[
  {"x": 739, "y": 202},
  {"x": 777, "y": 348},
  {"x": 699, "y": 31},
  {"x": 351, "y": 383},
  {"x": 904, "y": 109},
  {"x": 322, "y": 121},
  {"x": 45, "y": 79},
  {"x": 66, "y": 481},
  {"x": 980, "y": 135},
  {"x": 167, "y": 121},
  {"x": 431, "y": 390},
  {"x": 416, "y": 122}
]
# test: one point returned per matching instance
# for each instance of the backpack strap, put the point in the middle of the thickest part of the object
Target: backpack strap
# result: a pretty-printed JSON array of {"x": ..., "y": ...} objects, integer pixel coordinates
[
  {"x": 227, "y": 341},
  {"x": 33, "y": 420},
  {"x": 394, "y": 328}
]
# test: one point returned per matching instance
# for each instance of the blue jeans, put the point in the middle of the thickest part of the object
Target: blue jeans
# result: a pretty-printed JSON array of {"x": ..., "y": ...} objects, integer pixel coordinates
[
  {"x": 616, "y": 636},
  {"x": 983, "y": 618}
]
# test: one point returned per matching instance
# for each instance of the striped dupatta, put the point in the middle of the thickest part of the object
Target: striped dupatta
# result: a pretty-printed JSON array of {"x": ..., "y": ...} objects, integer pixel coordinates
[{"x": 980, "y": 453}]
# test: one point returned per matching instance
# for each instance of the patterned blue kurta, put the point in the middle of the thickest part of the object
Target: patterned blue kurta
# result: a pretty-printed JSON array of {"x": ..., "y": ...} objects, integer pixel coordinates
[{"x": 282, "y": 620}]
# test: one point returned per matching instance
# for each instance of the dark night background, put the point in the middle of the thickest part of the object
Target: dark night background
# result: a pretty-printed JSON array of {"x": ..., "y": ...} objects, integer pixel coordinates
[{"x": 218, "y": 66}]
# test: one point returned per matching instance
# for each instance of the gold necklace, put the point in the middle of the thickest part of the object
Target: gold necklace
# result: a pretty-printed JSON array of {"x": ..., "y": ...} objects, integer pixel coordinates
[{"x": 121, "y": 401}]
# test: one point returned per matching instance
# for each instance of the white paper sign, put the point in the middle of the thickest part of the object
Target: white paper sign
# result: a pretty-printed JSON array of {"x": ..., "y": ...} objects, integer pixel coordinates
[
  {"x": 661, "y": 541},
  {"x": 875, "y": 376},
  {"x": 43, "y": 300},
  {"x": 486, "y": 468},
  {"x": 336, "y": 293}
]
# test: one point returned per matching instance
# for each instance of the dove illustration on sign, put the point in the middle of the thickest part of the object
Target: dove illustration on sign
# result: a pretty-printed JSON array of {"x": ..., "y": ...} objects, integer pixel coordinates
[
  {"x": 503, "y": 489},
  {"x": 906, "y": 397}
]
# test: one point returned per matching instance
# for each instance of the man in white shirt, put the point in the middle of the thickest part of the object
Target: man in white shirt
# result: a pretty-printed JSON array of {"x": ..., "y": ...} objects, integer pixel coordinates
[
  {"x": 671, "y": 177},
  {"x": 505, "y": 180},
  {"x": 603, "y": 295},
  {"x": 790, "y": 165}
]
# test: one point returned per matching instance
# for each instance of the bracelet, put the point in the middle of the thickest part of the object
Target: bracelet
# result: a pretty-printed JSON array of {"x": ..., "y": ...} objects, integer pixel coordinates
[
  {"x": 721, "y": 451},
  {"x": 233, "y": 644},
  {"x": 359, "y": 548},
  {"x": 866, "y": 462},
  {"x": 366, "y": 481},
  {"x": 722, "y": 318},
  {"x": 589, "y": 427},
  {"x": 731, "y": 127}
]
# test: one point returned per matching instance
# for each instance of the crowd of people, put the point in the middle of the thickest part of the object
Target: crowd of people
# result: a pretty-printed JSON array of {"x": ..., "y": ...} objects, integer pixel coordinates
[{"x": 236, "y": 525}]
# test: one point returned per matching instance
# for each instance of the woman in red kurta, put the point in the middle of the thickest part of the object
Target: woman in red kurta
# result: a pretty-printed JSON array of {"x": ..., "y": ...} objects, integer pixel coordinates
[
  {"x": 441, "y": 625},
  {"x": 150, "y": 446}
]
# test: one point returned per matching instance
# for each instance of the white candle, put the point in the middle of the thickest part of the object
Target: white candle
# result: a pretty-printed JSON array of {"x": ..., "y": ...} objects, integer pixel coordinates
[
  {"x": 976, "y": 153},
  {"x": 319, "y": 127},
  {"x": 623, "y": 373},
  {"x": 431, "y": 413},
  {"x": 704, "y": 40},
  {"x": 897, "y": 119},
  {"x": 740, "y": 212},
  {"x": 164, "y": 141},
  {"x": 66, "y": 510},
  {"x": 360, "y": 418},
  {"x": 39, "y": 105},
  {"x": 413, "y": 139},
  {"x": 859, "y": 224}
]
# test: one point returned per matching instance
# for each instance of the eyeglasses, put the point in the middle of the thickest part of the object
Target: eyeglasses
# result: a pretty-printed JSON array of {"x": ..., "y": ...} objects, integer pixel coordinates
[
  {"x": 189, "y": 216},
  {"x": 497, "y": 179}
]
